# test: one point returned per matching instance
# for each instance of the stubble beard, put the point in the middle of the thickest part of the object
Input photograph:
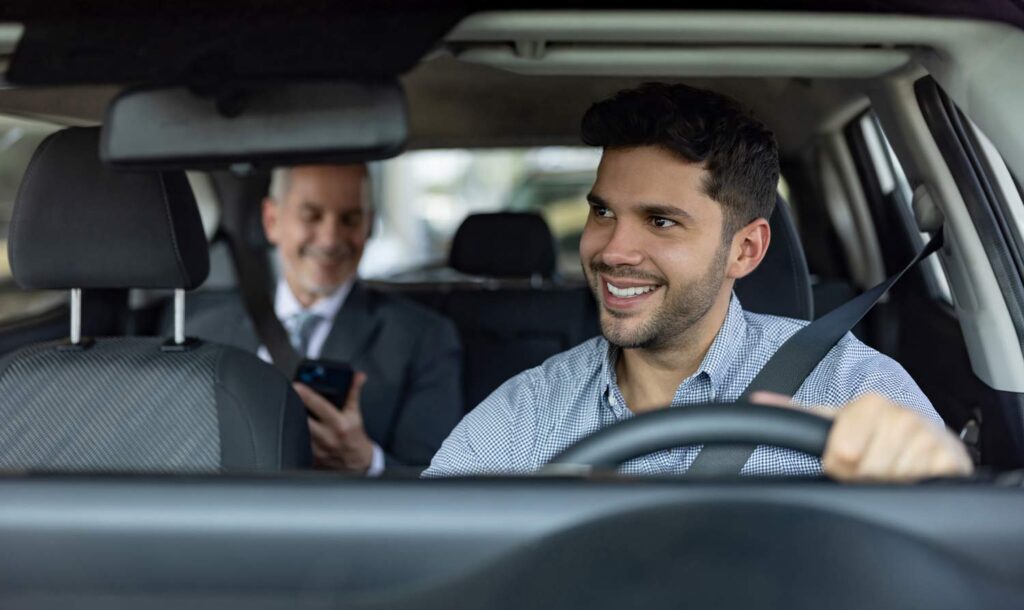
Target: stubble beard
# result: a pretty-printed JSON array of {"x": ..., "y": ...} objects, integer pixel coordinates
[{"x": 671, "y": 322}]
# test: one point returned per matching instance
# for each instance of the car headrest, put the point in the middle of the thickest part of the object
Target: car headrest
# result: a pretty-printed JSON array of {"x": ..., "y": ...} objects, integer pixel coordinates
[
  {"x": 781, "y": 284},
  {"x": 80, "y": 224},
  {"x": 504, "y": 244}
]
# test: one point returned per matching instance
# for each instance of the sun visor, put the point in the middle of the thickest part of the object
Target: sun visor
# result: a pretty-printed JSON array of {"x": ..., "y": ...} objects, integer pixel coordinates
[{"x": 273, "y": 124}]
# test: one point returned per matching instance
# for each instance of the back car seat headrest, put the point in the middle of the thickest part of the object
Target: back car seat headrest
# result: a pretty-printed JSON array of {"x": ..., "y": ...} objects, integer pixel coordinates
[
  {"x": 80, "y": 224},
  {"x": 504, "y": 244}
]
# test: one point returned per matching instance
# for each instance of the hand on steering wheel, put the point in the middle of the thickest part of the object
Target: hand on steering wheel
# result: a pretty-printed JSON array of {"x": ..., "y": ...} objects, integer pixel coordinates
[{"x": 870, "y": 438}]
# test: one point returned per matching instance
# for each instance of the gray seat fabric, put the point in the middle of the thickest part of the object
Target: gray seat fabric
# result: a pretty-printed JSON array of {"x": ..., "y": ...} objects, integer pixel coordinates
[
  {"x": 507, "y": 329},
  {"x": 130, "y": 404},
  {"x": 781, "y": 284},
  {"x": 510, "y": 313}
]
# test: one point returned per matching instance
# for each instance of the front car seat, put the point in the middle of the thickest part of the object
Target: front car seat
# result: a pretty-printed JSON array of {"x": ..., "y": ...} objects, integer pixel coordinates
[{"x": 129, "y": 404}]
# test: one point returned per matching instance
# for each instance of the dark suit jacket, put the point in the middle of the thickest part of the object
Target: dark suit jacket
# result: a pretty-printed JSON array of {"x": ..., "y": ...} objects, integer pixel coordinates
[{"x": 411, "y": 356}]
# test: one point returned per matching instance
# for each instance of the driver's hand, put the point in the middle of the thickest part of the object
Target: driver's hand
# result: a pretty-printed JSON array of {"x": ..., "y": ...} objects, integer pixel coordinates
[
  {"x": 874, "y": 439},
  {"x": 339, "y": 440}
]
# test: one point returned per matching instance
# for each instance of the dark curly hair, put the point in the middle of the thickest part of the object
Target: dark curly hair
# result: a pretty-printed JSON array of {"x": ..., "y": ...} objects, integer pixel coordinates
[{"x": 738, "y": 152}]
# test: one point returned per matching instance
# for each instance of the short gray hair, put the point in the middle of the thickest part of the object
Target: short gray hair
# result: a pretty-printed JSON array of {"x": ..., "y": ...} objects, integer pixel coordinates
[
  {"x": 280, "y": 182},
  {"x": 279, "y": 179}
]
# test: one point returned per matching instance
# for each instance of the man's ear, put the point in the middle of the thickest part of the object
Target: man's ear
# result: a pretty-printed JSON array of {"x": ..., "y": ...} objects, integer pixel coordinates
[
  {"x": 269, "y": 215},
  {"x": 749, "y": 245}
]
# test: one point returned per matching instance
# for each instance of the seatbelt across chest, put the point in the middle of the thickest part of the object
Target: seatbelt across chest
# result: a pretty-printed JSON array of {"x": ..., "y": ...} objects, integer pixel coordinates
[
  {"x": 260, "y": 307},
  {"x": 797, "y": 358}
]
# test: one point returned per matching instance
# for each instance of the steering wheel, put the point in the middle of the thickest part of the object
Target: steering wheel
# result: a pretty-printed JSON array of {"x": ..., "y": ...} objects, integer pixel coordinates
[{"x": 737, "y": 423}]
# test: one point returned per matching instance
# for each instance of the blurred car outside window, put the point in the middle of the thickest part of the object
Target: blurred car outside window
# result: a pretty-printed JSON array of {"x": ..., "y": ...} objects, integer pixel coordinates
[{"x": 423, "y": 196}]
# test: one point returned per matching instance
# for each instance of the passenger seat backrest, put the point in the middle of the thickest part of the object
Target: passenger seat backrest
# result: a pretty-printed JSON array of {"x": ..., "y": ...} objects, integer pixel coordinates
[{"x": 129, "y": 404}]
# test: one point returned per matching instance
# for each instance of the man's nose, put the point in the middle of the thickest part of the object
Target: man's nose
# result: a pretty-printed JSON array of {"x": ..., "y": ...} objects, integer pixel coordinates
[
  {"x": 328, "y": 233},
  {"x": 624, "y": 247}
]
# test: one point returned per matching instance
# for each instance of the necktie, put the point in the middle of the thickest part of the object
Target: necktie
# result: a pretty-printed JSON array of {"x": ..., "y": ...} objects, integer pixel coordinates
[{"x": 300, "y": 329}]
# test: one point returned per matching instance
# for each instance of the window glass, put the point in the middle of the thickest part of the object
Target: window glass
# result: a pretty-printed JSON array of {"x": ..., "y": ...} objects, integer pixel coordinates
[
  {"x": 18, "y": 140},
  {"x": 1004, "y": 182},
  {"x": 423, "y": 196},
  {"x": 893, "y": 182}
]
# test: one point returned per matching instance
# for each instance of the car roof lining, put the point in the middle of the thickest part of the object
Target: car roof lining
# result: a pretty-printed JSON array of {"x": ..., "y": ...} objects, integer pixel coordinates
[
  {"x": 454, "y": 104},
  {"x": 824, "y": 65},
  {"x": 797, "y": 72},
  {"x": 967, "y": 57},
  {"x": 535, "y": 110}
]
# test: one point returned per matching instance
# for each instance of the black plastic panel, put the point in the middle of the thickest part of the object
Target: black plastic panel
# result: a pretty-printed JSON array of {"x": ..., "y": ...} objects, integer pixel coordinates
[{"x": 389, "y": 544}]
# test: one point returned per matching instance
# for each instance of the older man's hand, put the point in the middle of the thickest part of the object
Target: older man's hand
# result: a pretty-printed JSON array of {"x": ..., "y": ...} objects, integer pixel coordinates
[
  {"x": 339, "y": 439},
  {"x": 874, "y": 439}
]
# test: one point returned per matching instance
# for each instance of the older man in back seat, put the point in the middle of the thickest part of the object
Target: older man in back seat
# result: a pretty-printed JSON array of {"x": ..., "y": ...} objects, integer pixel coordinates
[{"x": 407, "y": 394}]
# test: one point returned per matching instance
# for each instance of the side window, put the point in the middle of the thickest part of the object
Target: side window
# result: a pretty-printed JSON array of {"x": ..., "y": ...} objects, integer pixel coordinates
[
  {"x": 894, "y": 185},
  {"x": 1008, "y": 190},
  {"x": 18, "y": 140}
]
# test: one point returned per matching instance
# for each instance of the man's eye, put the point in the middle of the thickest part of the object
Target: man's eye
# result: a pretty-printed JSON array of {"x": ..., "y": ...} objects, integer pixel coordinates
[
  {"x": 600, "y": 211},
  {"x": 662, "y": 223},
  {"x": 352, "y": 220}
]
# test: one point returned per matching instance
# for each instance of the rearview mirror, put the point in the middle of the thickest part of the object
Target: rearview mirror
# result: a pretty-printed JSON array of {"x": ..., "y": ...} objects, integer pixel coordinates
[{"x": 275, "y": 124}]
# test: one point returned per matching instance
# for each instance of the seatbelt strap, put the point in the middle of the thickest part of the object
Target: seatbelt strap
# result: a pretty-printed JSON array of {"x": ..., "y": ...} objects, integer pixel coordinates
[
  {"x": 253, "y": 283},
  {"x": 797, "y": 358},
  {"x": 252, "y": 268}
]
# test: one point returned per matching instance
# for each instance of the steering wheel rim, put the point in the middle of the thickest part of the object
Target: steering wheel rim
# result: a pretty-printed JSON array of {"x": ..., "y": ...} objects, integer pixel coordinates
[{"x": 737, "y": 423}]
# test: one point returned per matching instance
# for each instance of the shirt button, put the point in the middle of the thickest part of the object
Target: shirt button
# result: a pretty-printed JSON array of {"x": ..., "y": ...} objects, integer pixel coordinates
[{"x": 612, "y": 401}]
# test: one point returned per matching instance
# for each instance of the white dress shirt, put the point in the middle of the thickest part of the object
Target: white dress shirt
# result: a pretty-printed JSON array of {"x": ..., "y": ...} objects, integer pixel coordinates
[{"x": 326, "y": 308}]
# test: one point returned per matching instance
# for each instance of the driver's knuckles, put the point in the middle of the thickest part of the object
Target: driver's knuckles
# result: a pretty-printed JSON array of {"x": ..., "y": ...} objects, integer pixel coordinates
[
  {"x": 873, "y": 439},
  {"x": 889, "y": 436}
]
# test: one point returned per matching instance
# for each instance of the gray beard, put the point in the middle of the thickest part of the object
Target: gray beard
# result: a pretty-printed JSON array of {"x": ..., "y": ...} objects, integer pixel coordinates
[{"x": 319, "y": 290}]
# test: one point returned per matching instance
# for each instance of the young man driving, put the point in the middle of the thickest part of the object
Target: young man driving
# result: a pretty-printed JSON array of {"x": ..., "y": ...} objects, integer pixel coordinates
[{"x": 678, "y": 214}]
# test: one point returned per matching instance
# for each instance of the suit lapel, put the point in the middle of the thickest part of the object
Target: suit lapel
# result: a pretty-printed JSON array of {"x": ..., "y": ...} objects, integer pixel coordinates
[{"x": 353, "y": 328}]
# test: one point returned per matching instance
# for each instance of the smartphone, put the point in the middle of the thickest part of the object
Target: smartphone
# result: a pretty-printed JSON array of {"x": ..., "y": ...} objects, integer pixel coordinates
[{"x": 331, "y": 380}]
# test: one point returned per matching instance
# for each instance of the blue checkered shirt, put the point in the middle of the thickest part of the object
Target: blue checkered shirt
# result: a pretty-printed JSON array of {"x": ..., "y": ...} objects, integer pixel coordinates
[{"x": 538, "y": 413}]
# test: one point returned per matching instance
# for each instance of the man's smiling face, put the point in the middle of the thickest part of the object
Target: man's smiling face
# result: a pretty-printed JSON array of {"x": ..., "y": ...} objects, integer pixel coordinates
[
  {"x": 653, "y": 249},
  {"x": 320, "y": 227}
]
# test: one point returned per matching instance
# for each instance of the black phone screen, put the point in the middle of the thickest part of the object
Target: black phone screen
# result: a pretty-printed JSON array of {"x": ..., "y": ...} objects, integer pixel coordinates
[{"x": 330, "y": 379}]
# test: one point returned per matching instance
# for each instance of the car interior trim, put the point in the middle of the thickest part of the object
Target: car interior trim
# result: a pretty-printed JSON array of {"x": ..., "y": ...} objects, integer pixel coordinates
[
  {"x": 720, "y": 27},
  {"x": 988, "y": 330},
  {"x": 303, "y": 533},
  {"x": 628, "y": 61},
  {"x": 834, "y": 145},
  {"x": 840, "y": 211},
  {"x": 1005, "y": 214},
  {"x": 972, "y": 59},
  {"x": 942, "y": 119}
]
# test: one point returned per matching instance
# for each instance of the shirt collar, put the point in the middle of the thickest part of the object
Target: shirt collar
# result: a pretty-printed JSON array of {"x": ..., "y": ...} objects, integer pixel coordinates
[
  {"x": 286, "y": 305},
  {"x": 724, "y": 348},
  {"x": 716, "y": 363}
]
